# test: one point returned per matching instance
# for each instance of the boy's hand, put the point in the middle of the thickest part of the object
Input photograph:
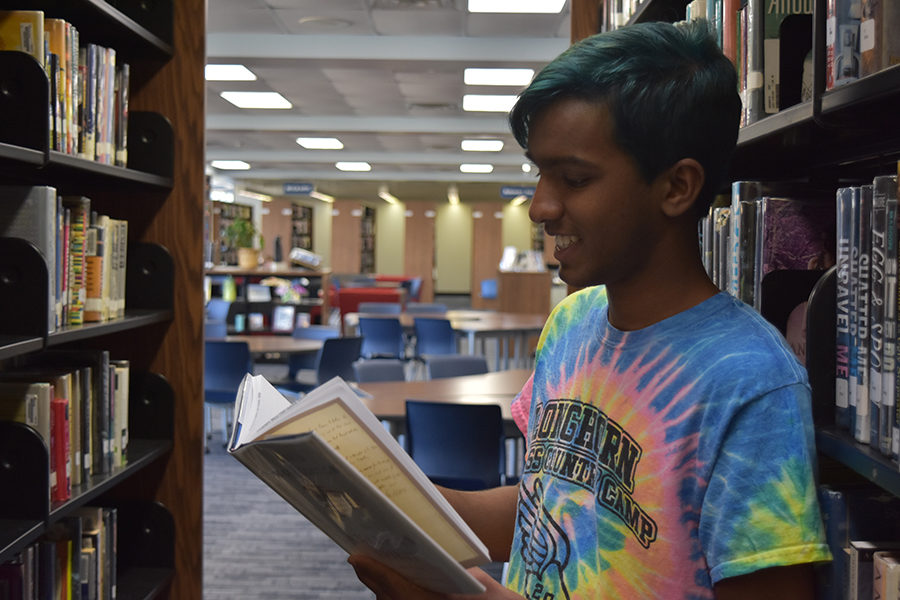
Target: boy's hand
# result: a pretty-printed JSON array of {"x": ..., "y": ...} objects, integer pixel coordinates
[{"x": 390, "y": 585}]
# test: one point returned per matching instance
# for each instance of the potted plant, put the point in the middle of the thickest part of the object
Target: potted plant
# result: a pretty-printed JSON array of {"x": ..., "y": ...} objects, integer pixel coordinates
[{"x": 243, "y": 235}]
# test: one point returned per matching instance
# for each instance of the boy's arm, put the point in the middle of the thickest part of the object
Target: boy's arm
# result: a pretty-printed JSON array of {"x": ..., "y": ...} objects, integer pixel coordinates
[
  {"x": 788, "y": 583},
  {"x": 490, "y": 513}
]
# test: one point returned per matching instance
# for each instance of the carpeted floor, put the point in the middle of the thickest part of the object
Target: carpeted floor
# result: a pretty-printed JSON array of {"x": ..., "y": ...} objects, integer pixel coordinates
[{"x": 255, "y": 545}]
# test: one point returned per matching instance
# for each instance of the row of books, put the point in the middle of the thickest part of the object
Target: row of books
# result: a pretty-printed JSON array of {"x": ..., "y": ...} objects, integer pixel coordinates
[
  {"x": 770, "y": 43},
  {"x": 862, "y": 529},
  {"x": 761, "y": 228},
  {"x": 77, "y": 401},
  {"x": 75, "y": 560},
  {"x": 866, "y": 319},
  {"x": 88, "y": 111},
  {"x": 85, "y": 252}
]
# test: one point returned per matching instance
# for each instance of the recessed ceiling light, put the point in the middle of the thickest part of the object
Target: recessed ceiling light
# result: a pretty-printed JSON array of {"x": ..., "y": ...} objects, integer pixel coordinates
[
  {"x": 475, "y": 168},
  {"x": 482, "y": 145},
  {"x": 256, "y": 99},
  {"x": 230, "y": 165},
  {"x": 229, "y": 73},
  {"x": 488, "y": 102},
  {"x": 353, "y": 166},
  {"x": 474, "y": 76},
  {"x": 526, "y": 167},
  {"x": 316, "y": 143},
  {"x": 516, "y": 6}
]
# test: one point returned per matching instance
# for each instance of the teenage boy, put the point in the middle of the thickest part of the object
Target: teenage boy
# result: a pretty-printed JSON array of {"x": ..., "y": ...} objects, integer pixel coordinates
[{"x": 670, "y": 448}]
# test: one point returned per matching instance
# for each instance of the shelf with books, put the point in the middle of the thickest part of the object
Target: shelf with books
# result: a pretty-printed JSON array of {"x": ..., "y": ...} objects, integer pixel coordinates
[
  {"x": 862, "y": 458},
  {"x": 139, "y": 29},
  {"x": 159, "y": 194}
]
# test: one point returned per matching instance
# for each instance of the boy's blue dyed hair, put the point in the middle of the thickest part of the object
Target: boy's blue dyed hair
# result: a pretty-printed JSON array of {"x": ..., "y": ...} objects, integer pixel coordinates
[{"x": 670, "y": 90}]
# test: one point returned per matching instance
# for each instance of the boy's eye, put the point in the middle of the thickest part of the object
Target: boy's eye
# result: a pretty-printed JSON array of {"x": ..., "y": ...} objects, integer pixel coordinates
[{"x": 575, "y": 180}]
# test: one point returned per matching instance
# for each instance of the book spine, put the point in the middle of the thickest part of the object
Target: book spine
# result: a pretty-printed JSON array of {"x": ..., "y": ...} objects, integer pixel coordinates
[
  {"x": 60, "y": 448},
  {"x": 862, "y": 432},
  {"x": 842, "y": 343},
  {"x": 93, "y": 274},
  {"x": 888, "y": 187},
  {"x": 853, "y": 380},
  {"x": 876, "y": 313}
]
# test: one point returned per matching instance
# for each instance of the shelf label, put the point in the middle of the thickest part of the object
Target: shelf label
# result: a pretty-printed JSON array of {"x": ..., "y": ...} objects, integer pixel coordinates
[
  {"x": 512, "y": 191},
  {"x": 298, "y": 187}
]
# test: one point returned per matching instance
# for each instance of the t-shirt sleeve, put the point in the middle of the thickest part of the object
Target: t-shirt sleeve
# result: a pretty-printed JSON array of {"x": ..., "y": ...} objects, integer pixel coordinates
[
  {"x": 761, "y": 509},
  {"x": 521, "y": 406}
]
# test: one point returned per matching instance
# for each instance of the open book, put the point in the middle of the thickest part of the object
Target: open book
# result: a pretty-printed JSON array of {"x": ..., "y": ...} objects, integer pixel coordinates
[{"x": 333, "y": 461}]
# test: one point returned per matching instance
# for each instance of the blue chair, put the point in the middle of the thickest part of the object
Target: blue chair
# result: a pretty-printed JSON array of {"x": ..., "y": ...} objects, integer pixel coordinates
[
  {"x": 215, "y": 330},
  {"x": 431, "y": 308},
  {"x": 454, "y": 365},
  {"x": 308, "y": 361},
  {"x": 381, "y": 308},
  {"x": 379, "y": 369},
  {"x": 459, "y": 446},
  {"x": 415, "y": 288},
  {"x": 382, "y": 337},
  {"x": 434, "y": 336},
  {"x": 217, "y": 309},
  {"x": 224, "y": 366},
  {"x": 335, "y": 359}
]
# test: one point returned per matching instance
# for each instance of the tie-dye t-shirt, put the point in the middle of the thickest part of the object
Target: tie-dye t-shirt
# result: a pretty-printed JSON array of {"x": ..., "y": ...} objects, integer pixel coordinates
[{"x": 662, "y": 460}]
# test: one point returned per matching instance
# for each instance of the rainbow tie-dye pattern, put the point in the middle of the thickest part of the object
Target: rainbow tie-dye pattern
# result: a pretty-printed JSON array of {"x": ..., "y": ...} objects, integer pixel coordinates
[{"x": 662, "y": 460}]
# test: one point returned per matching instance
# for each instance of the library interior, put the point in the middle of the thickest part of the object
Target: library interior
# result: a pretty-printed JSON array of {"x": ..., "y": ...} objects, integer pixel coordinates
[{"x": 192, "y": 192}]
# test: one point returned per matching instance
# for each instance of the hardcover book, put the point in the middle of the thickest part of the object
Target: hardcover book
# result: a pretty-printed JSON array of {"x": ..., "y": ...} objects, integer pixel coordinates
[
  {"x": 332, "y": 460},
  {"x": 843, "y": 342},
  {"x": 23, "y": 30}
]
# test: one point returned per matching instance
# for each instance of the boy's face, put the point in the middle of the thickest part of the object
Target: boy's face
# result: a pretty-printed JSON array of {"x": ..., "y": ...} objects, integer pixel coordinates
[{"x": 590, "y": 196}]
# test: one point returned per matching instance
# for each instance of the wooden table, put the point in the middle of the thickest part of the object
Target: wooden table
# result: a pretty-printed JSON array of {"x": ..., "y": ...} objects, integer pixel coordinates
[
  {"x": 282, "y": 344},
  {"x": 388, "y": 402},
  {"x": 506, "y": 327},
  {"x": 388, "y": 399}
]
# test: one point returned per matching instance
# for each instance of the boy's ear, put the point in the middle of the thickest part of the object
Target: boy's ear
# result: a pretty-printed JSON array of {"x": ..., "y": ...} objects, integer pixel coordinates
[{"x": 685, "y": 180}]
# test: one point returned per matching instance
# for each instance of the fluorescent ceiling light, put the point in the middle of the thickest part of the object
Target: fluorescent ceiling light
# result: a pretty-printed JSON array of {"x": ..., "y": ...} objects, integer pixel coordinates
[
  {"x": 482, "y": 145},
  {"x": 230, "y": 165},
  {"x": 255, "y": 196},
  {"x": 320, "y": 143},
  {"x": 473, "y": 76},
  {"x": 321, "y": 196},
  {"x": 475, "y": 168},
  {"x": 488, "y": 102},
  {"x": 519, "y": 200},
  {"x": 453, "y": 195},
  {"x": 385, "y": 195},
  {"x": 256, "y": 99},
  {"x": 229, "y": 73},
  {"x": 353, "y": 166},
  {"x": 516, "y": 6}
]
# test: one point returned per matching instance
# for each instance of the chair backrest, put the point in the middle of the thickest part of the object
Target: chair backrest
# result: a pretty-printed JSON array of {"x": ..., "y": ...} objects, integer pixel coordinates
[
  {"x": 224, "y": 366},
  {"x": 384, "y": 308},
  {"x": 379, "y": 369},
  {"x": 457, "y": 445},
  {"x": 315, "y": 332},
  {"x": 215, "y": 330},
  {"x": 452, "y": 365},
  {"x": 382, "y": 337},
  {"x": 434, "y": 336},
  {"x": 432, "y": 308},
  {"x": 217, "y": 309},
  {"x": 336, "y": 358}
]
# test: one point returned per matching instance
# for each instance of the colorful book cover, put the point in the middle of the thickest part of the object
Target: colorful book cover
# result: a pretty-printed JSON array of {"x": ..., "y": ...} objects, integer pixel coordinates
[
  {"x": 23, "y": 30},
  {"x": 80, "y": 210},
  {"x": 841, "y": 42},
  {"x": 879, "y": 44}
]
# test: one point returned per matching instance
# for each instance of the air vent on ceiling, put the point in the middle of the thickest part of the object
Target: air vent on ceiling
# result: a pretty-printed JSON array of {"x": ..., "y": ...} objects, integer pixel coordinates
[{"x": 413, "y": 4}]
